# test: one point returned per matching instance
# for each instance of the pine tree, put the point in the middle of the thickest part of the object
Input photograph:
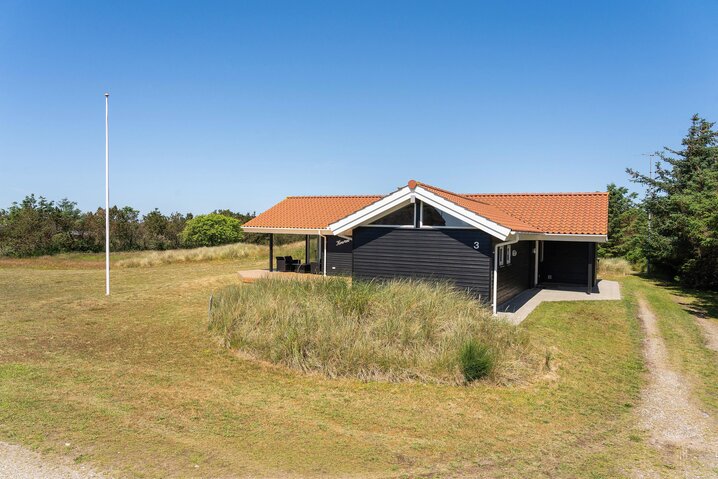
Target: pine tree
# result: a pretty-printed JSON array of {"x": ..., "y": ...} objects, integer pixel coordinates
[{"x": 683, "y": 203}]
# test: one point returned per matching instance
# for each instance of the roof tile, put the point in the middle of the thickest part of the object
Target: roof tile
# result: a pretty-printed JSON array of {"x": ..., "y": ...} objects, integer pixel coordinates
[
  {"x": 556, "y": 213},
  {"x": 310, "y": 212}
]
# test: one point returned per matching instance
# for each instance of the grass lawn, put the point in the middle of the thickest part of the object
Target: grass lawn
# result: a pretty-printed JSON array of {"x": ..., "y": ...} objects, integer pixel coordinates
[{"x": 136, "y": 385}]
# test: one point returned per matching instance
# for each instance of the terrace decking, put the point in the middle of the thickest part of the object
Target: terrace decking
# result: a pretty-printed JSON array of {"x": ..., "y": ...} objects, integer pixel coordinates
[
  {"x": 252, "y": 275},
  {"x": 520, "y": 306}
]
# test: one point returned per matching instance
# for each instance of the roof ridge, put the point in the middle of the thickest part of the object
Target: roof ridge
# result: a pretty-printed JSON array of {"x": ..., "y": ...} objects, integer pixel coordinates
[
  {"x": 452, "y": 193},
  {"x": 564, "y": 193},
  {"x": 335, "y": 196}
]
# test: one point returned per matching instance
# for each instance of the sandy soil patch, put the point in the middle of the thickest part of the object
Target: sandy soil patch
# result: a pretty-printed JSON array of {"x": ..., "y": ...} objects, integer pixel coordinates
[{"x": 19, "y": 463}]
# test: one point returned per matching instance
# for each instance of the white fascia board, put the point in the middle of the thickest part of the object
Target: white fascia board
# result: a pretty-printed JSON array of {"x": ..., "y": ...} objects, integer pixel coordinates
[
  {"x": 287, "y": 231},
  {"x": 378, "y": 208},
  {"x": 405, "y": 196},
  {"x": 468, "y": 216},
  {"x": 564, "y": 237}
]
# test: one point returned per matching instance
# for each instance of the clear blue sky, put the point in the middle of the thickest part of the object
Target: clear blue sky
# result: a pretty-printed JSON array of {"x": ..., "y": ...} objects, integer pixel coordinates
[{"x": 238, "y": 104}]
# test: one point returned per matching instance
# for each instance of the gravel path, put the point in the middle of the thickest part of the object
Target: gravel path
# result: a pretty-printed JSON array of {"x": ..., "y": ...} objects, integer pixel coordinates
[
  {"x": 710, "y": 331},
  {"x": 686, "y": 435},
  {"x": 17, "y": 462}
]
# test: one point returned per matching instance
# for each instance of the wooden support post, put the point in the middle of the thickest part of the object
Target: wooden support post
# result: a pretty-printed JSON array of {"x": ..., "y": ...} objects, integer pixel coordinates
[
  {"x": 319, "y": 253},
  {"x": 536, "y": 264},
  {"x": 589, "y": 285},
  {"x": 271, "y": 252},
  {"x": 306, "y": 249}
]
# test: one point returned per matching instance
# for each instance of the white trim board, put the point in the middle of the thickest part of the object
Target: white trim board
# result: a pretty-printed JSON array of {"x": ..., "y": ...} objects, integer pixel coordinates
[
  {"x": 407, "y": 195},
  {"x": 286, "y": 231},
  {"x": 563, "y": 237}
]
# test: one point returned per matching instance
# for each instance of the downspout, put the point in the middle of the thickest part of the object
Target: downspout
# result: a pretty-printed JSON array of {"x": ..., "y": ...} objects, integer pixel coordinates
[{"x": 496, "y": 268}]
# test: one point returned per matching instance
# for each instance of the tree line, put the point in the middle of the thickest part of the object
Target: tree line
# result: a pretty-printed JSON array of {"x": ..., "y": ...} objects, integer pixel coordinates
[
  {"x": 673, "y": 230},
  {"x": 36, "y": 226}
]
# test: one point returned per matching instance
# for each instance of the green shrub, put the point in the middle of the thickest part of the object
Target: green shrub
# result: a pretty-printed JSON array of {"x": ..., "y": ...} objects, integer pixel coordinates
[
  {"x": 211, "y": 230},
  {"x": 476, "y": 360},
  {"x": 395, "y": 331}
]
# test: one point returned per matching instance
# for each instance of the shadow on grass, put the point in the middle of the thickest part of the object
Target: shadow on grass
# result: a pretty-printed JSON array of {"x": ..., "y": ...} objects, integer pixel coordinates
[{"x": 701, "y": 303}]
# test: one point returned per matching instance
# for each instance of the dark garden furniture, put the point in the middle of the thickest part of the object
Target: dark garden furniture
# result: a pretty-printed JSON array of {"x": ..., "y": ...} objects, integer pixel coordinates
[
  {"x": 287, "y": 263},
  {"x": 312, "y": 267}
]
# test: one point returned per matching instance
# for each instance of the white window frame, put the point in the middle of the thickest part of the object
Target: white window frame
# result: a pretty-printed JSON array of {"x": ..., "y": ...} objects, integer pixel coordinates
[
  {"x": 508, "y": 255},
  {"x": 501, "y": 255}
]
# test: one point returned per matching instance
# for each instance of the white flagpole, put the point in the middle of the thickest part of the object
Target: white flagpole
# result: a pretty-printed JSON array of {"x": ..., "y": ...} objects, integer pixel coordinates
[{"x": 107, "y": 194}]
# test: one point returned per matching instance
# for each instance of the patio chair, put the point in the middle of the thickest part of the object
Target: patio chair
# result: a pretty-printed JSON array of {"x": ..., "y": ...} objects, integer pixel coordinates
[{"x": 287, "y": 263}]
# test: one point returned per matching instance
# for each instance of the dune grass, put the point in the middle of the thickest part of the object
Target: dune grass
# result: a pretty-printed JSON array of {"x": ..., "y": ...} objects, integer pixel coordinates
[
  {"x": 395, "y": 331},
  {"x": 614, "y": 267},
  {"x": 237, "y": 251}
]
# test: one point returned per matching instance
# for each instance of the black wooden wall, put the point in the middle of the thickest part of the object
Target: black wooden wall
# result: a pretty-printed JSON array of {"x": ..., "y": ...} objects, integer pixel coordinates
[
  {"x": 461, "y": 256},
  {"x": 567, "y": 262},
  {"x": 339, "y": 256},
  {"x": 515, "y": 277}
]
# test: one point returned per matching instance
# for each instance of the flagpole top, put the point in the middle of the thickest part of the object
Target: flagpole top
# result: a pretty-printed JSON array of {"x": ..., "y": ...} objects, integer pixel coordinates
[{"x": 106, "y": 95}]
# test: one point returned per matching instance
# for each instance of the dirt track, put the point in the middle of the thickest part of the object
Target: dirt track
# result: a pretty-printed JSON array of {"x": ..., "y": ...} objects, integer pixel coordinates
[{"x": 686, "y": 436}]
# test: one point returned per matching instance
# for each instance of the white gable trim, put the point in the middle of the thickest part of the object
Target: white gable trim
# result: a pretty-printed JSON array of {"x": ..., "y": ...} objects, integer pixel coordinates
[
  {"x": 372, "y": 211},
  {"x": 499, "y": 231},
  {"x": 407, "y": 195}
]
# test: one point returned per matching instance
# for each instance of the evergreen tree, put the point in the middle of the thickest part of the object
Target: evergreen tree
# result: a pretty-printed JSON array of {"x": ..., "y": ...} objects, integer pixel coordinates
[{"x": 682, "y": 202}]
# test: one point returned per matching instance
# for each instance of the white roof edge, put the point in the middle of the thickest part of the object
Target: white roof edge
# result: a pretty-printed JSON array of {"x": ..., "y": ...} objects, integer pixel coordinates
[
  {"x": 404, "y": 194},
  {"x": 475, "y": 219},
  {"x": 289, "y": 231},
  {"x": 377, "y": 207},
  {"x": 591, "y": 238}
]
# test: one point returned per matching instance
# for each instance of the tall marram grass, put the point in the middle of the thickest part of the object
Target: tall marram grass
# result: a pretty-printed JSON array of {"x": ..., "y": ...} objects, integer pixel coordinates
[
  {"x": 235, "y": 251},
  {"x": 395, "y": 331},
  {"x": 614, "y": 267}
]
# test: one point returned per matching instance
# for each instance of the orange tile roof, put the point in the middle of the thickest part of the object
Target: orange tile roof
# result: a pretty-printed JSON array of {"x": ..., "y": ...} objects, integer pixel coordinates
[
  {"x": 310, "y": 212},
  {"x": 485, "y": 209},
  {"x": 557, "y": 213}
]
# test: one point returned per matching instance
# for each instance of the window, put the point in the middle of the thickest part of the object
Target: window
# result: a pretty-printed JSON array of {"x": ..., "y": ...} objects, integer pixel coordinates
[
  {"x": 501, "y": 255},
  {"x": 431, "y": 216},
  {"x": 508, "y": 254},
  {"x": 404, "y": 216}
]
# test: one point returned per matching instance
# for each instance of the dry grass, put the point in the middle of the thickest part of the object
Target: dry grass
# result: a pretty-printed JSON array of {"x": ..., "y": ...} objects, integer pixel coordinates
[
  {"x": 137, "y": 386},
  {"x": 237, "y": 251},
  {"x": 395, "y": 331},
  {"x": 614, "y": 267}
]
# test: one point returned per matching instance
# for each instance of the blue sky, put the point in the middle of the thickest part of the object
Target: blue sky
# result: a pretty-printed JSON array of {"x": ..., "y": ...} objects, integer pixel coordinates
[{"x": 238, "y": 104}]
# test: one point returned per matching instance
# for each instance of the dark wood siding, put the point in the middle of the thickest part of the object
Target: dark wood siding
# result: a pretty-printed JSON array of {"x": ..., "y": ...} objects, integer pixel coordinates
[
  {"x": 446, "y": 254},
  {"x": 515, "y": 277},
  {"x": 339, "y": 256},
  {"x": 567, "y": 262}
]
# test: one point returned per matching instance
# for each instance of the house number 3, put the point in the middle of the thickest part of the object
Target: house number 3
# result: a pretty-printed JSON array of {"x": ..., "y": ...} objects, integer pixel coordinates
[{"x": 476, "y": 245}]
